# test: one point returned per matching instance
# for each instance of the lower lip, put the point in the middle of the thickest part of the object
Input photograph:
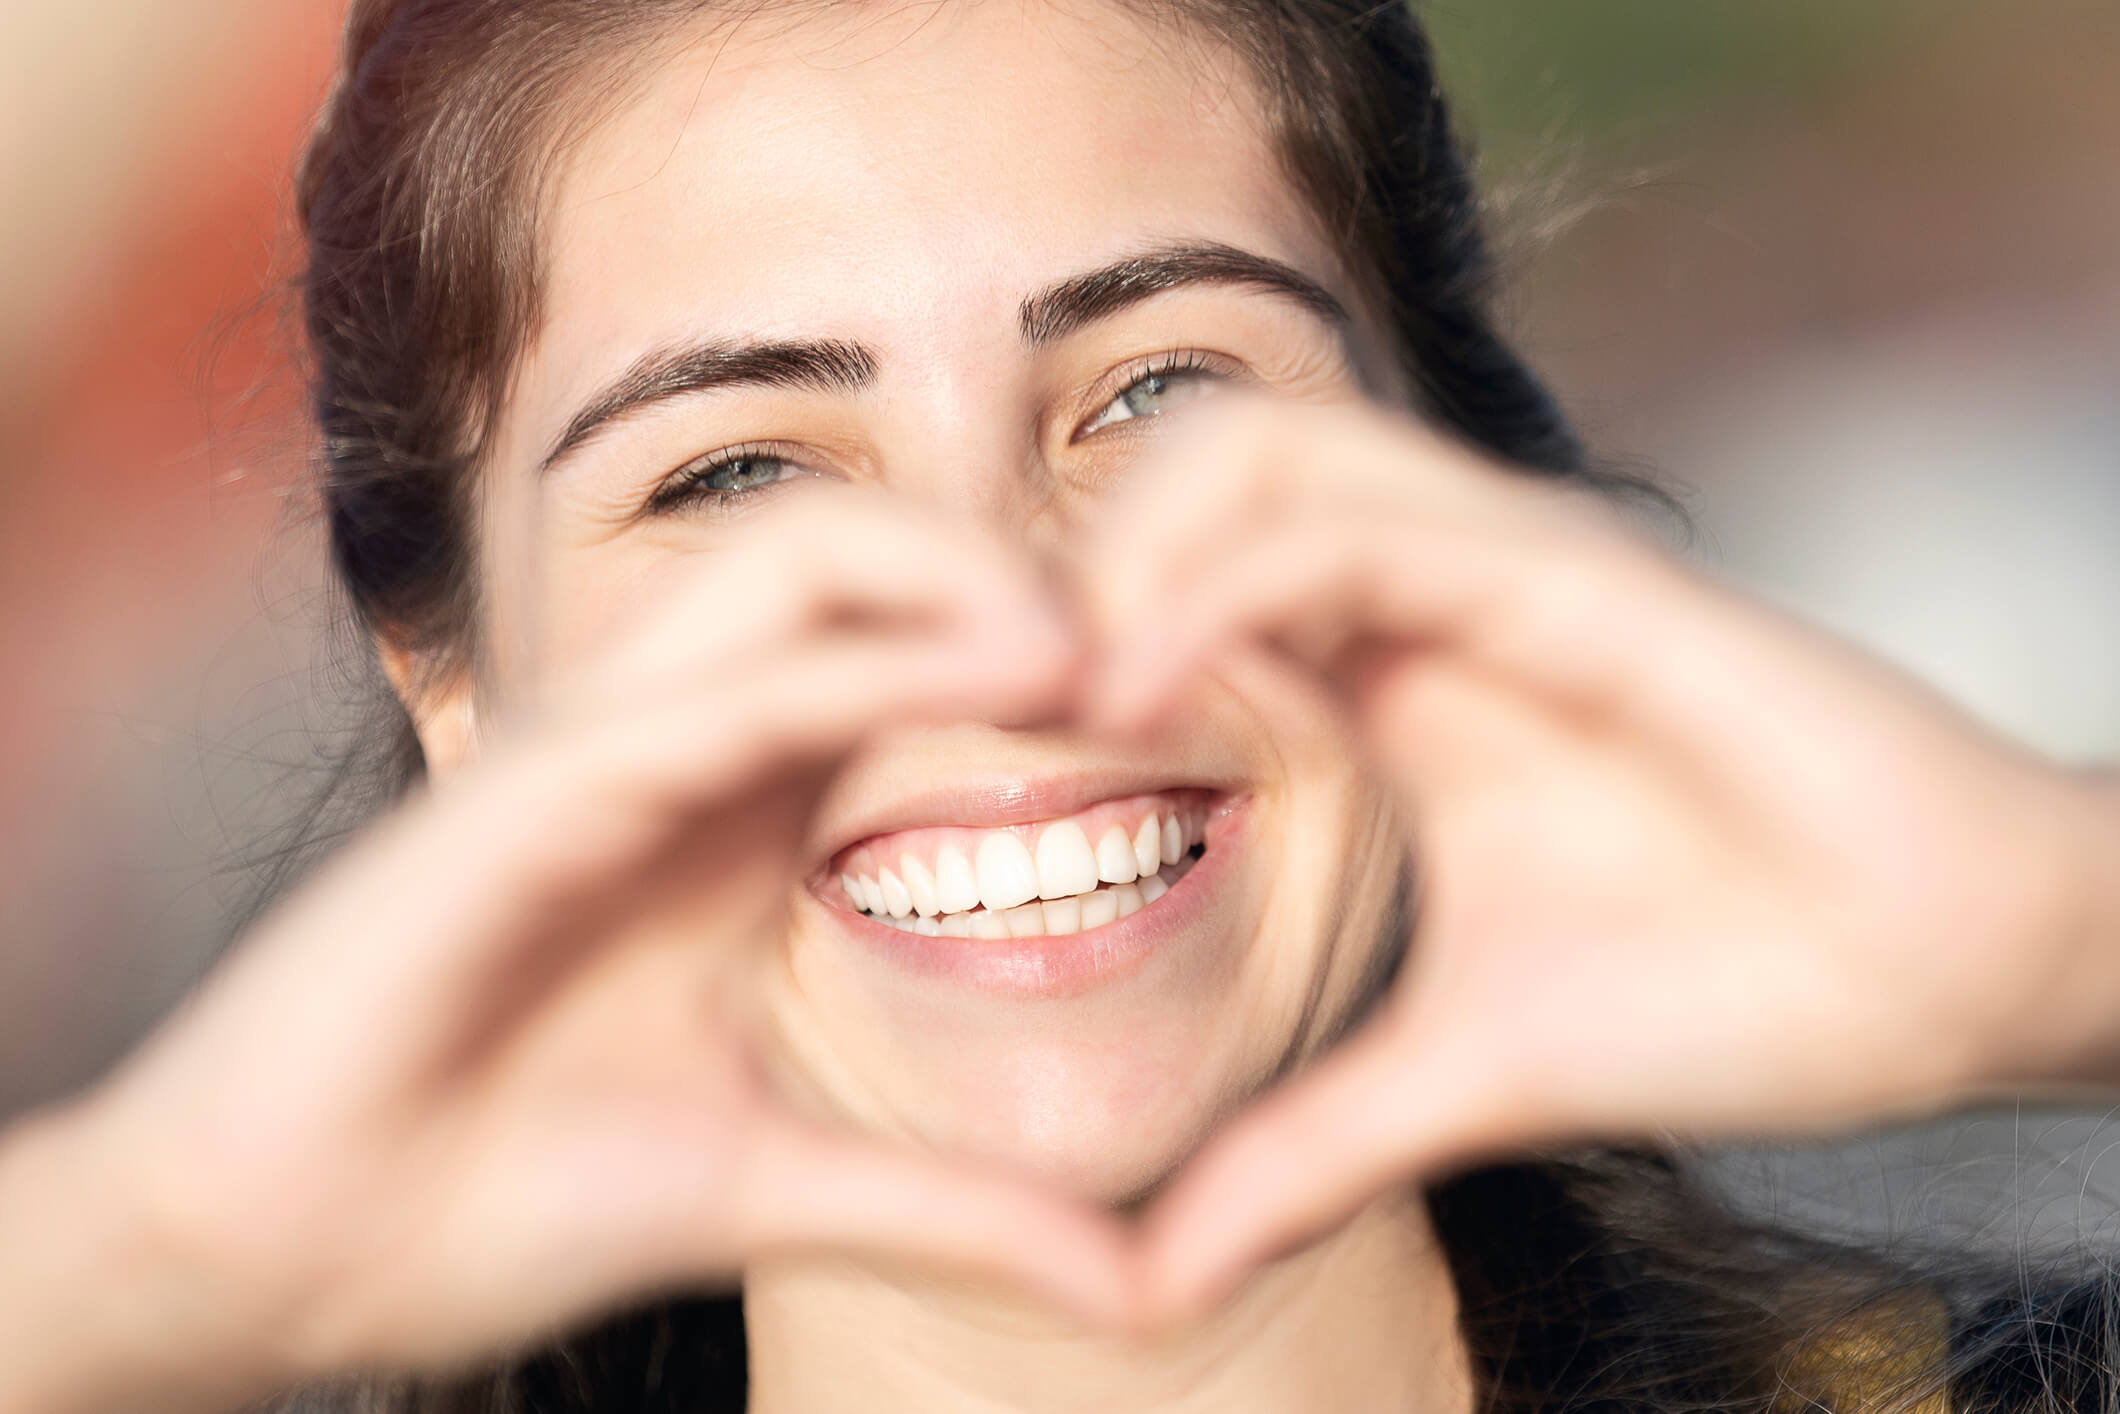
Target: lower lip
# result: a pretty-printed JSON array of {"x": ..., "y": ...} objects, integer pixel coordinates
[{"x": 1077, "y": 962}]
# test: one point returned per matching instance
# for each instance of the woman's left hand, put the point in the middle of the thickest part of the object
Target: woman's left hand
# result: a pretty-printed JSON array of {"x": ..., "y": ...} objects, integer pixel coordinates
[{"x": 1683, "y": 864}]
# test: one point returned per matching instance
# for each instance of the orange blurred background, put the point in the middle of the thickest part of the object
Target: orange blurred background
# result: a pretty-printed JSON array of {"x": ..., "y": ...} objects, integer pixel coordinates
[
  {"x": 1847, "y": 270},
  {"x": 151, "y": 412}
]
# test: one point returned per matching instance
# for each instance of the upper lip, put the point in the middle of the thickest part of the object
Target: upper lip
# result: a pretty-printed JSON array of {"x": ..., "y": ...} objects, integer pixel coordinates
[{"x": 993, "y": 800}]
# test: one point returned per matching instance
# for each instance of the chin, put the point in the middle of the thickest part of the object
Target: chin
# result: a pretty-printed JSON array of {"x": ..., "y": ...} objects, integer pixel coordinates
[
  {"x": 1069, "y": 992},
  {"x": 1069, "y": 960}
]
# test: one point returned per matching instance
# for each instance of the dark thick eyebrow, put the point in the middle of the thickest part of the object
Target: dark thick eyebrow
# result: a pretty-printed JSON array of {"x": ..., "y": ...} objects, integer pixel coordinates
[
  {"x": 1066, "y": 305},
  {"x": 826, "y": 365}
]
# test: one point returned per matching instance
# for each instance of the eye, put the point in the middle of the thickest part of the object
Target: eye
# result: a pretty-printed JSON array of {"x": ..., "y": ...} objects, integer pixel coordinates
[
  {"x": 720, "y": 479},
  {"x": 1163, "y": 383}
]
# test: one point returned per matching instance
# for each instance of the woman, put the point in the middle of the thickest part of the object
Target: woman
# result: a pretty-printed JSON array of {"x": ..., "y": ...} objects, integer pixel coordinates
[{"x": 952, "y": 576}]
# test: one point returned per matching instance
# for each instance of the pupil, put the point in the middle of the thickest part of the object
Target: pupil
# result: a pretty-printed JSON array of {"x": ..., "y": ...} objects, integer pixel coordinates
[
  {"x": 1144, "y": 391},
  {"x": 738, "y": 475}
]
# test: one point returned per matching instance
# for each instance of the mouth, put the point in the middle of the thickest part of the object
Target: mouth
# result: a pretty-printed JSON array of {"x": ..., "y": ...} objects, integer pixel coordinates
[{"x": 1041, "y": 879}]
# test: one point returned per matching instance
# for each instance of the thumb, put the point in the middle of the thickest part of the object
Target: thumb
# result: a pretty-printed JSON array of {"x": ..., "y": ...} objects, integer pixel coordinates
[
  {"x": 1374, "y": 1114},
  {"x": 805, "y": 1188}
]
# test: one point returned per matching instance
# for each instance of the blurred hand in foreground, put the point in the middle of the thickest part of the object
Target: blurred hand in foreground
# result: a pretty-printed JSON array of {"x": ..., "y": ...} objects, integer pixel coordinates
[
  {"x": 1682, "y": 864},
  {"x": 455, "y": 1094}
]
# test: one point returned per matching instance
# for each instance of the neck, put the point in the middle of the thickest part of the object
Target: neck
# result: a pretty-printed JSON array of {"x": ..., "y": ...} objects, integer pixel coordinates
[{"x": 1366, "y": 1319}]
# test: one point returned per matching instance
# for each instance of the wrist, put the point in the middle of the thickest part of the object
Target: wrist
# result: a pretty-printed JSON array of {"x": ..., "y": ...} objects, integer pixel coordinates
[
  {"x": 2082, "y": 996},
  {"x": 93, "y": 1313},
  {"x": 2101, "y": 934}
]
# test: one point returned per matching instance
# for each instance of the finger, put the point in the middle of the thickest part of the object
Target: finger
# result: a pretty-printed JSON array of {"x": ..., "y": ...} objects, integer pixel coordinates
[
  {"x": 1268, "y": 468},
  {"x": 806, "y": 1190},
  {"x": 1295, "y": 588},
  {"x": 812, "y": 704},
  {"x": 1198, "y": 489},
  {"x": 577, "y": 824},
  {"x": 1245, "y": 461},
  {"x": 441, "y": 914},
  {"x": 834, "y": 559},
  {"x": 1365, "y": 1119}
]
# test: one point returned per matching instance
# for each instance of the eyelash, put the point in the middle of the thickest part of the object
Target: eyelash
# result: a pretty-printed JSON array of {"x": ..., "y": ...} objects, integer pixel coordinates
[
  {"x": 1162, "y": 365},
  {"x": 687, "y": 485}
]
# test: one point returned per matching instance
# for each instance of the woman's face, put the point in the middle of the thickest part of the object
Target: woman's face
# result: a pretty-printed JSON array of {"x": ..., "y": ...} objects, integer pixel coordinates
[{"x": 930, "y": 212}]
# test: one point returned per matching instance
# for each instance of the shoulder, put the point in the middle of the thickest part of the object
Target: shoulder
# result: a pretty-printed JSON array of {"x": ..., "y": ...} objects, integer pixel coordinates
[
  {"x": 1893, "y": 1353},
  {"x": 2039, "y": 1349}
]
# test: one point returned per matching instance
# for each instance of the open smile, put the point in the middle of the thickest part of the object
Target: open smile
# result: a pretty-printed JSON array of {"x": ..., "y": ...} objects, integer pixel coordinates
[
  {"x": 1038, "y": 905},
  {"x": 1045, "y": 879}
]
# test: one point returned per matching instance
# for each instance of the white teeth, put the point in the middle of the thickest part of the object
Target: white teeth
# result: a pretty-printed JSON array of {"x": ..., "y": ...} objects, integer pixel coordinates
[
  {"x": 1115, "y": 858},
  {"x": 1007, "y": 877},
  {"x": 1065, "y": 865},
  {"x": 956, "y": 890},
  {"x": 1007, "y": 891},
  {"x": 1063, "y": 916},
  {"x": 920, "y": 884},
  {"x": 1129, "y": 896},
  {"x": 895, "y": 898},
  {"x": 1148, "y": 846}
]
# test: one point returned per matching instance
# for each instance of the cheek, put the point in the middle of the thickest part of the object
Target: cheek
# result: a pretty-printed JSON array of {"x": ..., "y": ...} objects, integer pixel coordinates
[
  {"x": 592, "y": 602},
  {"x": 556, "y": 587},
  {"x": 560, "y": 607},
  {"x": 1338, "y": 872},
  {"x": 1104, "y": 1093}
]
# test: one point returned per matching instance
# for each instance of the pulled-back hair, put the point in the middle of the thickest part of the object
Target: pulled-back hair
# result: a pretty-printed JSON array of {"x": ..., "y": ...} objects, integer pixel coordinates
[{"x": 1600, "y": 1281}]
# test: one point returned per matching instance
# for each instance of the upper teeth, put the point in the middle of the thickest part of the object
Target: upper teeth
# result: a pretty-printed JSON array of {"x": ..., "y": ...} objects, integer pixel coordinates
[
  {"x": 1146, "y": 847},
  {"x": 1010, "y": 889},
  {"x": 956, "y": 888},
  {"x": 1115, "y": 858},
  {"x": 1007, "y": 876},
  {"x": 1065, "y": 865}
]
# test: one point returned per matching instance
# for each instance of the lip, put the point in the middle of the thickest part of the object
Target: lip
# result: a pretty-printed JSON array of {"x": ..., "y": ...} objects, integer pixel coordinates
[
  {"x": 993, "y": 801},
  {"x": 1074, "y": 963}
]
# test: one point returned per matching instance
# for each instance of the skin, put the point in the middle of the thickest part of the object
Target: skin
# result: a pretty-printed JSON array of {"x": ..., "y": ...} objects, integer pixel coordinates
[
  {"x": 841, "y": 139},
  {"x": 932, "y": 252},
  {"x": 573, "y": 1027},
  {"x": 1768, "y": 884}
]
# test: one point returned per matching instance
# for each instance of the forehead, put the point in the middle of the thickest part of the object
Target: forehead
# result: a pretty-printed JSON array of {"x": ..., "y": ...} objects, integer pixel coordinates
[{"x": 900, "y": 175}]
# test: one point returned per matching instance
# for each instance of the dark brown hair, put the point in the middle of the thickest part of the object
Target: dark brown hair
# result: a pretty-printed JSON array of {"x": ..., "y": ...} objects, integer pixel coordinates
[
  {"x": 1602, "y": 1281},
  {"x": 420, "y": 199}
]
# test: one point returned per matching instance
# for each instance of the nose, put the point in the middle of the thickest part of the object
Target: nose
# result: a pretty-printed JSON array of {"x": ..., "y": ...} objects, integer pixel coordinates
[{"x": 978, "y": 455}]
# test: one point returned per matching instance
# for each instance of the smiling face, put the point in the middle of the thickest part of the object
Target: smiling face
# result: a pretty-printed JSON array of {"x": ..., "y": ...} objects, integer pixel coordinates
[{"x": 975, "y": 254}]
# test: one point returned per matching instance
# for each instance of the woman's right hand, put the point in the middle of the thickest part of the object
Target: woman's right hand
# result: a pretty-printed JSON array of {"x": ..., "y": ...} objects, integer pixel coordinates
[{"x": 464, "y": 1088}]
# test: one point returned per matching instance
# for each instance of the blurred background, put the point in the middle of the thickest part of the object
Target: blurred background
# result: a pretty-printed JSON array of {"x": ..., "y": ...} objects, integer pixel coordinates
[{"x": 1846, "y": 273}]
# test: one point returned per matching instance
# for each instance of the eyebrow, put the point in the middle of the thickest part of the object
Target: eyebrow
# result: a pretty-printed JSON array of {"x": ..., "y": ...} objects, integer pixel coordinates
[
  {"x": 843, "y": 366},
  {"x": 1067, "y": 305},
  {"x": 823, "y": 365}
]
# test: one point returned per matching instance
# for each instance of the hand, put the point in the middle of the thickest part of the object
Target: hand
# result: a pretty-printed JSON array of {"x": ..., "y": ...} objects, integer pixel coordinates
[
  {"x": 1683, "y": 865},
  {"x": 460, "y": 1090}
]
